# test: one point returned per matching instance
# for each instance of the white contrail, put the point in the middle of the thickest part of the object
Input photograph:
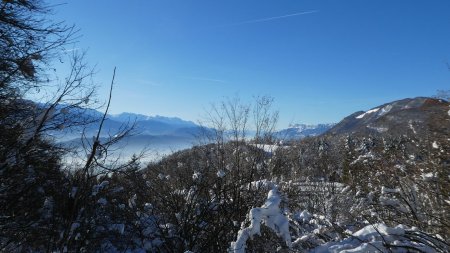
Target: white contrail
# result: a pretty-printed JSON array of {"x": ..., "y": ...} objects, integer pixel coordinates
[{"x": 273, "y": 18}]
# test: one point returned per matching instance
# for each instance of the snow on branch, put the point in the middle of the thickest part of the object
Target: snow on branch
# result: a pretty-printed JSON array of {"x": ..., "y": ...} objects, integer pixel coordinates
[{"x": 271, "y": 215}]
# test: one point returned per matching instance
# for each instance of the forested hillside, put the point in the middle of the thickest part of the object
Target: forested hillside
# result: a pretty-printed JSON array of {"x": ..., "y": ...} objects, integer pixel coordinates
[{"x": 392, "y": 184}]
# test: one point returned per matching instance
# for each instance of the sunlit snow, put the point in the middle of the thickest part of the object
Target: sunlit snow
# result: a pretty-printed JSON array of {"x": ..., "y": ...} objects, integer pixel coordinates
[{"x": 368, "y": 112}]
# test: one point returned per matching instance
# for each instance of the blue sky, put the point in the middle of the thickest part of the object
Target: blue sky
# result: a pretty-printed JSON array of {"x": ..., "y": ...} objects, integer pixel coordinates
[{"x": 320, "y": 60}]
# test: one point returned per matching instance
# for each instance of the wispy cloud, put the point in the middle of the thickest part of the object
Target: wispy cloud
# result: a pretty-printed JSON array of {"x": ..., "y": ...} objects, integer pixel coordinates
[
  {"x": 205, "y": 79},
  {"x": 252, "y": 21}
]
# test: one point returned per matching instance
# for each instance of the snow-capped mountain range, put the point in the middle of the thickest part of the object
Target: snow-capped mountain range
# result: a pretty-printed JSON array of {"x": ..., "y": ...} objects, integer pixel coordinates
[
  {"x": 163, "y": 126},
  {"x": 175, "y": 121},
  {"x": 167, "y": 134},
  {"x": 300, "y": 131},
  {"x": 162, "y": 135}
]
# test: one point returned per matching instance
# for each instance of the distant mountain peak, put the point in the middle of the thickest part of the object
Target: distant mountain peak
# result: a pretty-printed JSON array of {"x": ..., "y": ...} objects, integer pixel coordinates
[
  {"x": 393, "y": 117},
  {"x": 127, "y": 116},
  {"x": 299, "y": 131}
]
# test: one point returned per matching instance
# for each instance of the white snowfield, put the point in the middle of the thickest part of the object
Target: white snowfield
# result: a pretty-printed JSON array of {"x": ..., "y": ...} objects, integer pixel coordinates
[
  {"x": 385, "y": 110},
  {"x": 368, "y": 112},
  {"x": 271, "y": 215},
  {"x": 268, "y": 148},
  {"x": 435, "y": 145}
]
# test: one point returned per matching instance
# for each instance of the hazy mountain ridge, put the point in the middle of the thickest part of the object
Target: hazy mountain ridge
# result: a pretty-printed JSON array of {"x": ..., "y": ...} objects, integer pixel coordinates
[
  {"x": 127, "y": 116},
  {"x": 299, "y": 131},
  {"x": 406, "y": 116},
  {"x": 158, "y": 134},
  {"x": 143, "y": 124}
]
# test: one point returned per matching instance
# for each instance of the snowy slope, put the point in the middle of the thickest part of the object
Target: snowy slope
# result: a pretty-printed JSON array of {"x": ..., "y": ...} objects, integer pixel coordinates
[{"x": 398, "y": 117}]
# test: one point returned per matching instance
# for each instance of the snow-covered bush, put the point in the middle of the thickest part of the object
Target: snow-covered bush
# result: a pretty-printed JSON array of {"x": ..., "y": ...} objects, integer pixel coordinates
[{"x": 271, "y": 216}]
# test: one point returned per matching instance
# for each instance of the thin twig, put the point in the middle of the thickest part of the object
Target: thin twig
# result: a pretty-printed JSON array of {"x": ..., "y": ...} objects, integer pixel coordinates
[{"x": 96, "y": 143}]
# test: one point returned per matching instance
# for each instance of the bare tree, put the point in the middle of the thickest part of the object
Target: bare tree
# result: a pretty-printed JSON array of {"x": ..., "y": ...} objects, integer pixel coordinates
[
  {"x": 442, "y": 94},
  {"x": 28, "y": 41},
  {"x": 41, "y": 200}
]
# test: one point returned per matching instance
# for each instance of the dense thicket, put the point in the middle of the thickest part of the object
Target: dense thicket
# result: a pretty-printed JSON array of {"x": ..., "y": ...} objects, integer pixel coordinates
[
  {"x": 45, "y": 204},
  {"x": 346, "y": 181},
  {"x": 29, "y": 164}
]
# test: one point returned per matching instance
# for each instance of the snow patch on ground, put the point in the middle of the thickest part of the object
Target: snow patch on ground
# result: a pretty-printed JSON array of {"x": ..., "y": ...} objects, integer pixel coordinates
[
  {"x": 430, "y": 176},
  {"x": 220, "y": 173},
  {"x": 385, "y": 110},
  {"x": 196, "y": 176},
  {"x": 368, "y": 112},
  {"x": 412, "y": 127},
  {"x": 267, "y": 147},
  {"x": 264, "y": 183},
  {"x": 435, "y": 145},
  {"x": 385, "y": 190},
  {"x": 304, "y": 216},
  {"x": 365, "y": 158},
  {"x": 379, "y": 129}
]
